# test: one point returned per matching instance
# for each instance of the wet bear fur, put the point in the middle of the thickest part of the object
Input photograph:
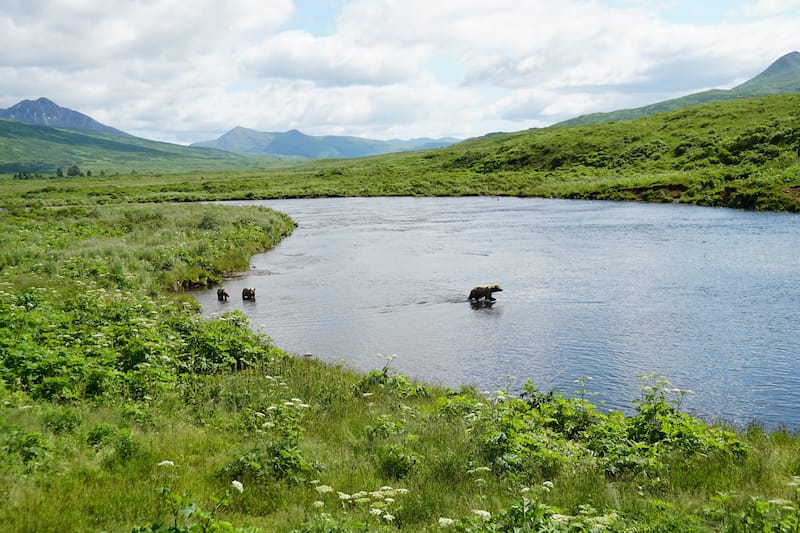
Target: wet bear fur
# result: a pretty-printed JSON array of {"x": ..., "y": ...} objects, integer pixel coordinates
[{"x": 484, "y": 291}]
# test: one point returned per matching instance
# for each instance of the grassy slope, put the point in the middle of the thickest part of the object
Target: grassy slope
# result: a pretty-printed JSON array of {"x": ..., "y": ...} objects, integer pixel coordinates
[
  {"x": 742, "y": 154},
  {"x": 43, "y": 149}
]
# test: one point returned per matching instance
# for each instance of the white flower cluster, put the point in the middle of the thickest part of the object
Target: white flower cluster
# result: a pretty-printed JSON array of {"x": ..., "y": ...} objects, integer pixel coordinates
[{"x": 376, "y": 501}]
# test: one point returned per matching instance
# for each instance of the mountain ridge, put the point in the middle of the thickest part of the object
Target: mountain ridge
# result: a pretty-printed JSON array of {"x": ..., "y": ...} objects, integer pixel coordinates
[{"x": 294, "y": 143}]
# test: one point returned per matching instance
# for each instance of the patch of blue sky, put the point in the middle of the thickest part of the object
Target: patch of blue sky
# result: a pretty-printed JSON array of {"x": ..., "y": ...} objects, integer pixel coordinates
[
  {"x": 241, "y": 87},
  {"x": 688, "y": 12},
  {"x": 317, "y": 17},
  {"x": 447, "y": 69}
]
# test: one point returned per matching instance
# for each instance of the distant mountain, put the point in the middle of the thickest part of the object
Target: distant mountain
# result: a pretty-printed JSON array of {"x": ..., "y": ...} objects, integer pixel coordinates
[
  {"x": 294, "y": 143},
  {"x": 783, "y": 76},
  {"x": 44, "y": 112}
]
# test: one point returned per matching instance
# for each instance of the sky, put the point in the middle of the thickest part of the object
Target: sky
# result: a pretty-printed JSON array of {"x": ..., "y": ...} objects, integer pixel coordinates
[{"x": 182, "y": 72}]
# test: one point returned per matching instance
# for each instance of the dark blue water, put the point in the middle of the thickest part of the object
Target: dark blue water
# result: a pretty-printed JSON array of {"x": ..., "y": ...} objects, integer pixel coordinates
[{"x": 709, "y": 298}]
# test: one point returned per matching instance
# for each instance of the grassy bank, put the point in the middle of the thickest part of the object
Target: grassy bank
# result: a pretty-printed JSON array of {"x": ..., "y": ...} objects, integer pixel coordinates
[{"x": 122, "y": 409}]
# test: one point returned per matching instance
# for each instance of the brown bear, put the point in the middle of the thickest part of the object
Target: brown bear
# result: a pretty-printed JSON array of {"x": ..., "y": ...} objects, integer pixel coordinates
[
  {"x": 222, "y": 295},
  {"x": 484, "y": 291},
  {"x": 248, "y": 294}
]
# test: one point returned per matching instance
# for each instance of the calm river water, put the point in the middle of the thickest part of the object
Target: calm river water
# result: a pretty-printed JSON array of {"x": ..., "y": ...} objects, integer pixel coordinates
[{"x": 709, "y": 298}]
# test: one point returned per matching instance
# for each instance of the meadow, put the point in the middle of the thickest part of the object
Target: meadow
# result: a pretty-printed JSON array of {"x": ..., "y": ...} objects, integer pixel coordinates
[{"x": 123, "y": 409}]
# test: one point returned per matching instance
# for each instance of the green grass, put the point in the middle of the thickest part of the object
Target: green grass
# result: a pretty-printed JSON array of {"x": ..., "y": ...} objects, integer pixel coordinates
[{"x": 122, "y": 409}]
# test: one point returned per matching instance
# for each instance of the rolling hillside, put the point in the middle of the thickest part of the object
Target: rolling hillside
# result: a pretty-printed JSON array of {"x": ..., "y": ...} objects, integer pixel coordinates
[
  {"x": 42, "y": 149},
  {"x": 782, "y": 77},
  {"x": 742, "y": 153}
]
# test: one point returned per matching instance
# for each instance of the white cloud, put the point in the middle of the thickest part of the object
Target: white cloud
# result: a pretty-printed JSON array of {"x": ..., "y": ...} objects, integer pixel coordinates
[
  {"x": 764, "y": 8},
  {"x": 384, "y": 68},
  {"x": 327, "y": 60}
]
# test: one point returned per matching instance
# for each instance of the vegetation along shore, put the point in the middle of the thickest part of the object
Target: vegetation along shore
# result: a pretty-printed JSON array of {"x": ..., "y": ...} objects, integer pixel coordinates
[{"x": 122, "y": 409}]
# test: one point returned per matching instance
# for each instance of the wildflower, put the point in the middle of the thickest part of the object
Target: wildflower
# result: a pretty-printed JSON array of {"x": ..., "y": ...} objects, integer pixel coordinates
[
  {"x": 446, "y": 521},
  {"x": 343, "y": 496},
  {"x": 548, "y": 486},
  {"x": 166, "y": 463},
  {"x": 376, "y": 512},
  {"x": 389, "y": 500},
  {"x": 486, "y": 515},
  {"x": 317, "y": 504},
  {"x": 237, "y": 485},
  {"x": 388, "y": 517},
  {"x": 366, "y": 395},
  {"x": 322, "y": 489},
  {"x": 401, "y": 491}
]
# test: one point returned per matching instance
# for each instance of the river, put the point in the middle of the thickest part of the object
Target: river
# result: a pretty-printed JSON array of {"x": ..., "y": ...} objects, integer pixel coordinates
[{"x": 708, "y": 298}]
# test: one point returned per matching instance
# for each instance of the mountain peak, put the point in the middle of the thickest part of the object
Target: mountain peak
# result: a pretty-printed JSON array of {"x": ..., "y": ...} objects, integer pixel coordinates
[
  {"x": 782, "y": 76},
  {"x": 45, "y": 112}
]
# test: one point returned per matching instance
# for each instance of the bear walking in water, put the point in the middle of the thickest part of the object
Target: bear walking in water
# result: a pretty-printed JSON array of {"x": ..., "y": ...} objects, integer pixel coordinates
[
  {"x": 222, "y": 295},
  {"x": 248, "y": 294},
  {"x": 484, "y": 291}
]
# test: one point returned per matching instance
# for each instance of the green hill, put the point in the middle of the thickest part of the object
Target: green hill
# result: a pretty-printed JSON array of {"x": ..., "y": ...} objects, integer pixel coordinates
[
  {"x": 782, "y": 77},
  {"x": 26, "y": 147},
  {"x": 741, "y": 153}
]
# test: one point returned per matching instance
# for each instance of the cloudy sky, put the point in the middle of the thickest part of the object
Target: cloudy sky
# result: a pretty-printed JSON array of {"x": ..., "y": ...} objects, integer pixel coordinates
[{"x": 185, "y": 71}]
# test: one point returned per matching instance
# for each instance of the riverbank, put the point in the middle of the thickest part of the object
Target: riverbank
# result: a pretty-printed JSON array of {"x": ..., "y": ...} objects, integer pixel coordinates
[{"x": 122, "y": 408}]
